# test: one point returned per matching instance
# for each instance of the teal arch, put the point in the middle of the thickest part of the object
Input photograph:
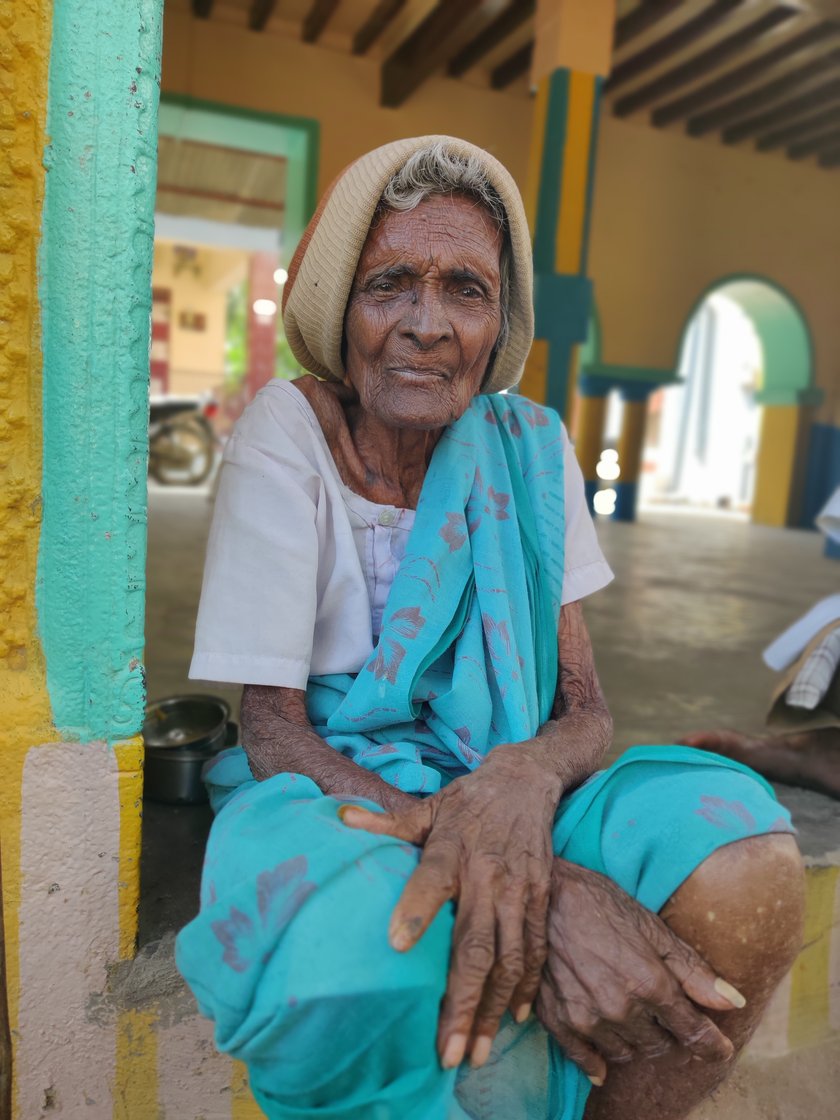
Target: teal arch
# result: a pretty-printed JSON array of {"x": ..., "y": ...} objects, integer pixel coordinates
[{"x": 783, "y": 330}]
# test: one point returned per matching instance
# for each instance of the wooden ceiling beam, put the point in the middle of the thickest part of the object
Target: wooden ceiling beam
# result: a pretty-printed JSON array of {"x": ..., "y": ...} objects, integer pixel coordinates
[
  {"x": 384, "y": 13},
  {"x": 423, "y": 51},
  {"x": 703, "y": 62},
  {"x": 815, "y": 98},
  {"x": 202, "y": 8},
  {"x": 741, "y": 75},
  {"x": 824, "y": 142},
  {"x": 317, "y": 18},
  {"x": 261, "y": 11},
  {"x": 514, "y": 15},
  {"x": 683, "y": 36},
  {"x": 779, "y": 137},
  {"x": 758, "y": 98},
  {"x": 645, "y": 16},
  {"x": 512, "y": 68}
]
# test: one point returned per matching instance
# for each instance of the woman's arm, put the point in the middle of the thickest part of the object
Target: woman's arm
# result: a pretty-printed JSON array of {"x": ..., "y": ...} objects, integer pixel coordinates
[
  {"x": 277, "y": 737},
  {"x": 572, "y": 744}
]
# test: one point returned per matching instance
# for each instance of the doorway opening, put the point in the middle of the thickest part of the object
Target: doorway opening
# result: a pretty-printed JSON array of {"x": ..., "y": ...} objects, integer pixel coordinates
[
  {"x": 745, "y": 349},
  {"x": 235, "y": 190}
]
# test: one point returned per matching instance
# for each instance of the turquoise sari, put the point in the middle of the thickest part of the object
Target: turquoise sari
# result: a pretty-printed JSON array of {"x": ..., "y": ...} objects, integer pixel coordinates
[{"x": 289, "y": 953}]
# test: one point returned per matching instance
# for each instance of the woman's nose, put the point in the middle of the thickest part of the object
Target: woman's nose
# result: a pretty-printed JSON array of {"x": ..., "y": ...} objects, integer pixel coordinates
[{"x": 425, "y": 321}]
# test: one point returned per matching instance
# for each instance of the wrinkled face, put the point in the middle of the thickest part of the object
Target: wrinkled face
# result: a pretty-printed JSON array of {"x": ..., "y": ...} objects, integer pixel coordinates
[{"x": 424, "y": 312}]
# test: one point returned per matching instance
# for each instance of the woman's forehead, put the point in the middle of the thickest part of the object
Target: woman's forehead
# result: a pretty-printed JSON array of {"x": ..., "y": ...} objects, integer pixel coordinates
[{"x": 448, "y": 229}]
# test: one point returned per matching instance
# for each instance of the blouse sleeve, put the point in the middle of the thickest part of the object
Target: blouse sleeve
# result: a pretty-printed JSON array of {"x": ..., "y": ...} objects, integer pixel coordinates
[
  {"x": 256, "y": 618},
  {"x": 585, "y": 569}
]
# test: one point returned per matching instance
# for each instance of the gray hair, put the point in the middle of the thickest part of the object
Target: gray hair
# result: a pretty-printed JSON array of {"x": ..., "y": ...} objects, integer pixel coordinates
[{"x": 437, "y": 170}]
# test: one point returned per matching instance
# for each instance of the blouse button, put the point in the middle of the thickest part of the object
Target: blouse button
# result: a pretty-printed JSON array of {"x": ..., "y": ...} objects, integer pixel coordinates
[{"x": 387, "y": 517}]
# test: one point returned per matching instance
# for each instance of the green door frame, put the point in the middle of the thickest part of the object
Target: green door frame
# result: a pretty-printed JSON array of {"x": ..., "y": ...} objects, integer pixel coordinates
[{"x": 295, "y": 138}]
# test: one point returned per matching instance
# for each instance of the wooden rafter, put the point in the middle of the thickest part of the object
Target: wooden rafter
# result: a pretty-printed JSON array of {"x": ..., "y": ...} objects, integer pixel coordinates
[
  {"x": 495, "y": 33},
  {"x": 741, "y": 75},
  {"x": 383, "y": 14},
  {"x": 779, "y": 137},
  {"x": 260, "y": 13},
  {"x": 317, "y": 18},
  {"x": 512, "y": 68},
  {"x": 423, "y": 51},
  {"x": 815, "y": 98},
  {"x": 202, "y": 8},
  {"x": 824, "y": 142},
  {"x": 759, "y": 97},
  {"x": 682, "y": 36},
  {"x": 645, "y": 16},
  {"x": 703, "y": 62}
]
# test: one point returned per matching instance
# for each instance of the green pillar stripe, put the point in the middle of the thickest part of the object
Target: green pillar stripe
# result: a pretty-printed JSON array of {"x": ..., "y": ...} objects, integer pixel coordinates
[
  {"x": 548, "y": 196},
  {"x": 590, "y": 175},
  {"x": 95, "y": 269}
]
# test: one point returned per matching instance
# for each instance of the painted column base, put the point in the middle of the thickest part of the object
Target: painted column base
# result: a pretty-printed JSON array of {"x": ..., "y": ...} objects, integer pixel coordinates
[{"x": 625, "y": 502}]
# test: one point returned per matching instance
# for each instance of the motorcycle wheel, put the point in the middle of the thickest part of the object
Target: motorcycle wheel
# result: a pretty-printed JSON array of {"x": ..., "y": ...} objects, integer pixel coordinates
[{"x": 181, "y": 453}]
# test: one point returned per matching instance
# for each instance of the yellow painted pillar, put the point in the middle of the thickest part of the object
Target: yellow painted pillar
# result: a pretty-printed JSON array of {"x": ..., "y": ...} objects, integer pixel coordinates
[
  {"x": 573, "y": 47},
  {"x": 777, "y": 468}
]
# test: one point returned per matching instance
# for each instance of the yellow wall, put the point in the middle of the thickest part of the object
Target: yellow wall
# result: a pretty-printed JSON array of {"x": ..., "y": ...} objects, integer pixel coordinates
[
  {"x": 24, "y": 59},
  {"x": 671, "y": 214}
]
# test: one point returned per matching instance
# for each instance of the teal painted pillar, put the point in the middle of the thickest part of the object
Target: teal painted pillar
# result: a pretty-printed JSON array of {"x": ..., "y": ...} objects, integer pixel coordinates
[{"x": 95, "y": 267}]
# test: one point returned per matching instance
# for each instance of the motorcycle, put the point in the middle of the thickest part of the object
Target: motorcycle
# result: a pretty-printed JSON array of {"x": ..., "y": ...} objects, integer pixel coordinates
[{"x": 182, "y": 443}]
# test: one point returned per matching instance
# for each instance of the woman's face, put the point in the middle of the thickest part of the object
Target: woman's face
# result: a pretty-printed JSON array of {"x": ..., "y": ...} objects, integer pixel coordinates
[{"x": 424, "y": 312}]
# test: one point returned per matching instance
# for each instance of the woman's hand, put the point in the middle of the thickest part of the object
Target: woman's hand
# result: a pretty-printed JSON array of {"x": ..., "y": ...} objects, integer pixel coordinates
[
  {"x": 618, "y": 983},
  {"x": 486, "y": 842}
]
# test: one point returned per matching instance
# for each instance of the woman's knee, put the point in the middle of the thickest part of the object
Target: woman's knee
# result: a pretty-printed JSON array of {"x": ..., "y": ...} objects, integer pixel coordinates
[{"x": 743, "y": 910}]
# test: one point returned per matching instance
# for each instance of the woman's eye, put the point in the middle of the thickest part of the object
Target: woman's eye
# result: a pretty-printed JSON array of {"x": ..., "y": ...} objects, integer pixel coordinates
[
  {"x": 470, "y": 291},
  {"x": 383, "y": 287}
]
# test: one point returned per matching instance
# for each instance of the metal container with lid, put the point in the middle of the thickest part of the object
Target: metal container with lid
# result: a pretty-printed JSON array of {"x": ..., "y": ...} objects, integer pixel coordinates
[{"x": 181, "y": 734}]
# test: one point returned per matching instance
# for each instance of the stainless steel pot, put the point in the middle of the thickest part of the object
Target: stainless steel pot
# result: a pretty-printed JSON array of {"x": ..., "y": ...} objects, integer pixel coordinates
[{"x": 180, "y": 734}]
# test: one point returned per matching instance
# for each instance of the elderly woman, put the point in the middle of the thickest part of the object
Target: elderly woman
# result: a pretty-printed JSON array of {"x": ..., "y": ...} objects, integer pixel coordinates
[{"x": 421, "y": 899}]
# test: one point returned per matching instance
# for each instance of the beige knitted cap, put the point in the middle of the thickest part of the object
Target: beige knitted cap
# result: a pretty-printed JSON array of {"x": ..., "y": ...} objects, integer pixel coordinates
[{"x": 322, "y": 269}]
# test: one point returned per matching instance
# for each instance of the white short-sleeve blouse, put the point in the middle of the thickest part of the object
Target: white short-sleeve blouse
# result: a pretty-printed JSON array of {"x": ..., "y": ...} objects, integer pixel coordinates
[{"x": 299, "y": 567}]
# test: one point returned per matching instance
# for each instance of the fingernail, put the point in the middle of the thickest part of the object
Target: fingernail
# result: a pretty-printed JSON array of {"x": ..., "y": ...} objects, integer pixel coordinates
[
  {"x": 596, "y": 1081},
  {"x": 481, "y": 1051},
  {"x": 728, "y": 992},
  {"x": 352, "y": 811},
  {"x": 522, "y": 1012},
  {"x": 453, "y": 1053},
  {"x": 400, "y": 937}
]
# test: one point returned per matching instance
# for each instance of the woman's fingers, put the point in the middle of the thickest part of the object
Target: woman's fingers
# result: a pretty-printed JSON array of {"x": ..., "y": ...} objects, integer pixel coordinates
[
  {"x": 413, "y": 825},
  {"x": 472, "y": 959},
  {"x": 695, "y": 1031},
  {"x": 584, "y": 1055},
  {"x": 505, "y": 977},
  {"x": 699, "y": 982},
  {"x": 535, "y": 952},
  {"x": 433, "y": 884}
]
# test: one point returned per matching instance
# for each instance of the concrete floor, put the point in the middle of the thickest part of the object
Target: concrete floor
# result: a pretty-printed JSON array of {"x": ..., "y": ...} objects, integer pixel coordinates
[{"x": 677, "y": 638}]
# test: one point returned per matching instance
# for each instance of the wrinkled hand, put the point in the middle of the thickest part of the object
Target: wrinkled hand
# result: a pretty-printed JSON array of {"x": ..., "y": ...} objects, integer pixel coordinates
[
  {"x": 619, "y": 984},
  {"x": 486, "y": 842}
]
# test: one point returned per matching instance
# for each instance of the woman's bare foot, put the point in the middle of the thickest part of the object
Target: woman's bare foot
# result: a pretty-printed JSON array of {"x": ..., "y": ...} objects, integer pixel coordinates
[{"x": 810, "y": 759}]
